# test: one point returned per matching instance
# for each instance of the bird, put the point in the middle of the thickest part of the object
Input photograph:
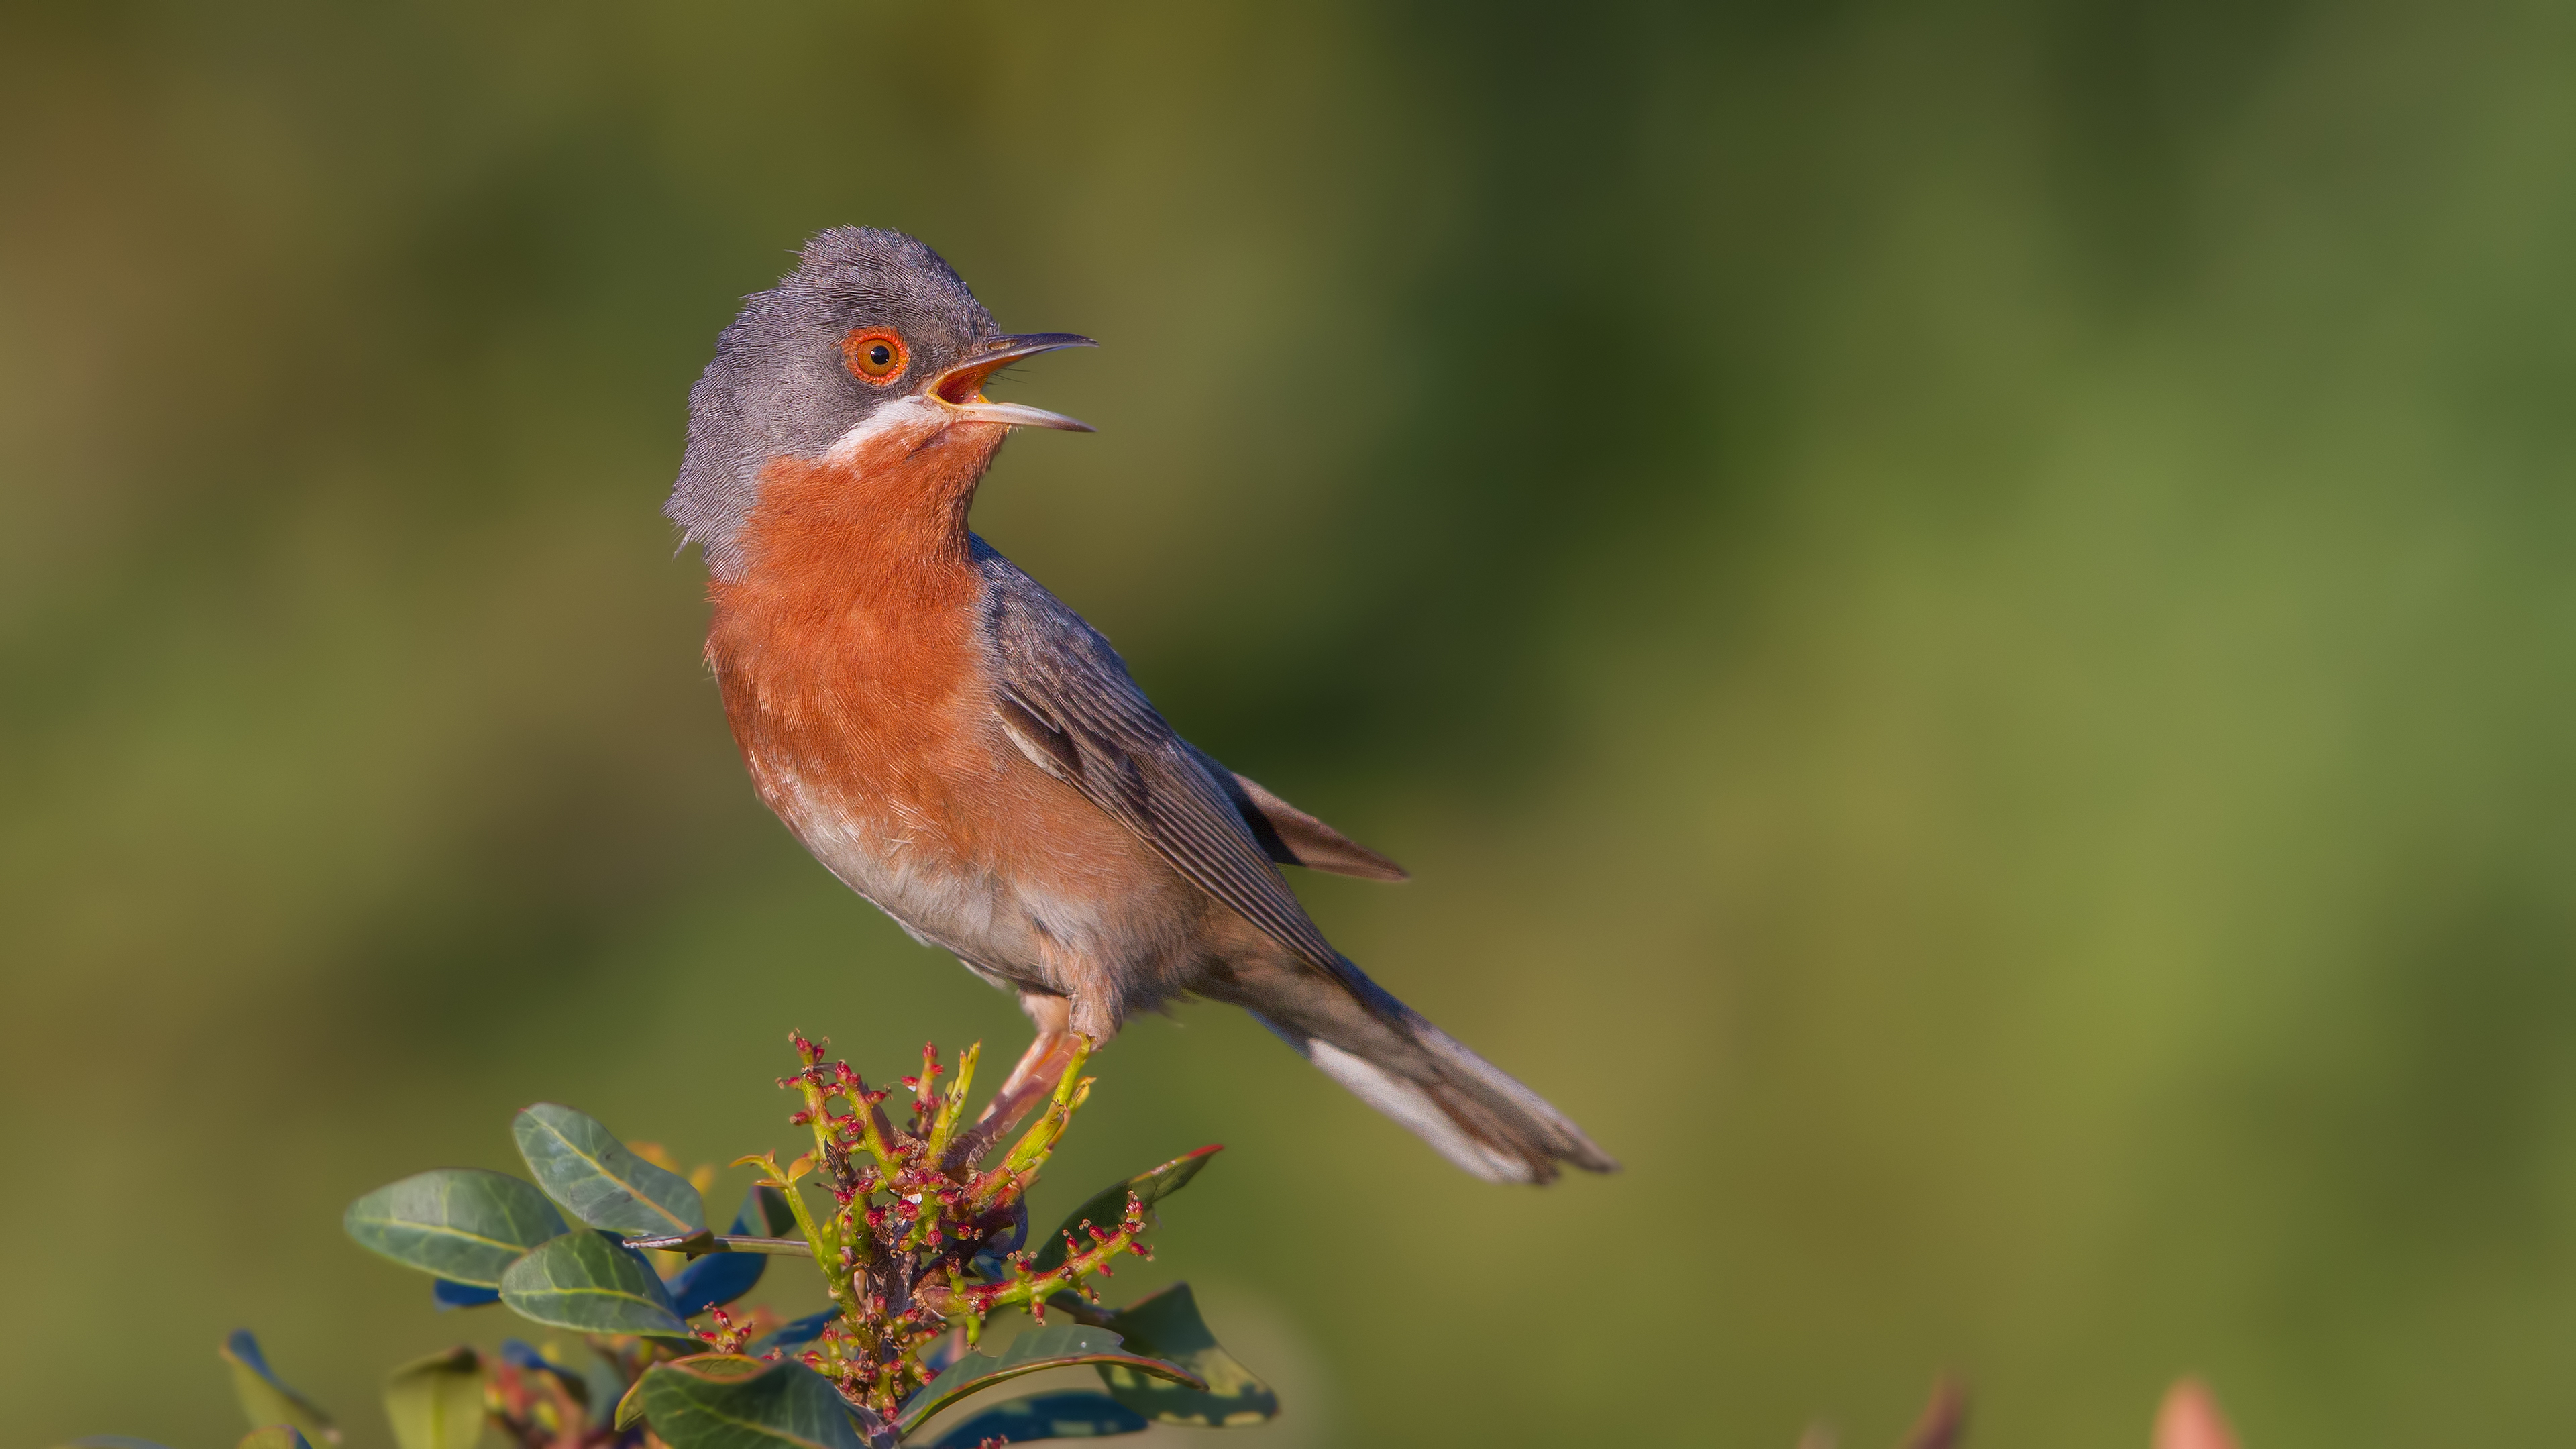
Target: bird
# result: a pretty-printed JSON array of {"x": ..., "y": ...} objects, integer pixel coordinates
[{"x": 967, "y": 753}]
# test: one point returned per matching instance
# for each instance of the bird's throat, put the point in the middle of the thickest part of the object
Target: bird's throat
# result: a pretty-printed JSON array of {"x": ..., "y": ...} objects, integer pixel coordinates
[
  {"x": 856, "y": 601},
  {"x": 894, "y": 494}
]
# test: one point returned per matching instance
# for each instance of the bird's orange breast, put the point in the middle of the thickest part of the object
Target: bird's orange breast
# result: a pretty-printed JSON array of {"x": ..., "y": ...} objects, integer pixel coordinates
[
  {"x": 851, "y": 654},
  {"x": 848, "y": 646}
]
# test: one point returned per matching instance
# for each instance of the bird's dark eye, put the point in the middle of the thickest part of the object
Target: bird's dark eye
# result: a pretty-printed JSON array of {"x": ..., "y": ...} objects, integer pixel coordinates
[{"x": 874, "y": 355}]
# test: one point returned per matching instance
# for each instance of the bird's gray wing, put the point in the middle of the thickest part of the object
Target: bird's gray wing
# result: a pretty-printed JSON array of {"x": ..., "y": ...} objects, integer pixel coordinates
[
  {"x": 1067, "y": 700},
  {"x": 1290, "y": 836}
]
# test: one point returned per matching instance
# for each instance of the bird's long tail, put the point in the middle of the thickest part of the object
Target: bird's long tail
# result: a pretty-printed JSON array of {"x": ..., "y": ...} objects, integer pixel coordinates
[{"x": 1471, "y": 1111}]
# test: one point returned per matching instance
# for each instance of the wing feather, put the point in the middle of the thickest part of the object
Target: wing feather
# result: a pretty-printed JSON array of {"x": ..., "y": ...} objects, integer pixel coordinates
[
  {"x": 1069, "y": 702},
  {"x": 1290, "y": 836}
]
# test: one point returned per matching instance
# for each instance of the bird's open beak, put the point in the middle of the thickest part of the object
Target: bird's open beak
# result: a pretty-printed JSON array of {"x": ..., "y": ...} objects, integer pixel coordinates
[{"x": 961, "y": 388}]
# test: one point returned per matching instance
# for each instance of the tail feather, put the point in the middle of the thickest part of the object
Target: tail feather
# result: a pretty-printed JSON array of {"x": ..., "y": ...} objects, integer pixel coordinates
[
  {"x": 1389, "y": 1056},
  {"x": 1419, "y": 1110}
]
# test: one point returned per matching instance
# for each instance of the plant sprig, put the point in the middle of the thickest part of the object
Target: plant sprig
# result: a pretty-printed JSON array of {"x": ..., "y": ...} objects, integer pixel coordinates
[{"x": 918, "y": 1245}]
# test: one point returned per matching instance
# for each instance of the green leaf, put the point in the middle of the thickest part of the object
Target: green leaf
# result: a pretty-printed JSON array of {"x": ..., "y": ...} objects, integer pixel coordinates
[
  {"x": 275, "y": 1436},
  {"x": 265, "y": 1398},
  {"x": 1166, "y": 1325},
  {"x": 1077, "y": 1414},
  {"x": 722, "y": 1401},
  {"x": 437, "y": 1402},
  {"x": 593, "y": 1283},
  {"x": 460, "y": 1223},
  {"x": 1044, "y": 1348},
  {"x": 1108, "y": 1207},
  {"x": 583, "y": 1166},
  {"x": 109, "y": 1441}
]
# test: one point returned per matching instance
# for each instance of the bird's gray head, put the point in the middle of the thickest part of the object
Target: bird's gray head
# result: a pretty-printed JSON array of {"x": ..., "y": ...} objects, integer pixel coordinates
[{"x": 868, "y": 319}]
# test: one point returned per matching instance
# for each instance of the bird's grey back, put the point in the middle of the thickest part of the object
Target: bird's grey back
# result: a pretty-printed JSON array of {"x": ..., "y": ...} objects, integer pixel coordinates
[{"x": 1035, "y": 629}]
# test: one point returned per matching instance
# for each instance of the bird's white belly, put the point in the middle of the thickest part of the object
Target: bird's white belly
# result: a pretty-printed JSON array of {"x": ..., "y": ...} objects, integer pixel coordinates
[{"x": 992, "y": 920}]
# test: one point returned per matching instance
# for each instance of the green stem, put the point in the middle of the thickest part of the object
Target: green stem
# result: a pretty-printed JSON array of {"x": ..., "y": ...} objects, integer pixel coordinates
[
  {"x": 819, "y": 1240},
  {"x": 1035, "y": 1288},
  {"x": 952, "y": 1105},
  {"x": 726, "y": 1243}
]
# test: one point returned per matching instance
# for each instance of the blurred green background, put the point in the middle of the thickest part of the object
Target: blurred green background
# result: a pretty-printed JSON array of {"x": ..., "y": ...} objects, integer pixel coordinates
[{"x": 1962, "y": 611}]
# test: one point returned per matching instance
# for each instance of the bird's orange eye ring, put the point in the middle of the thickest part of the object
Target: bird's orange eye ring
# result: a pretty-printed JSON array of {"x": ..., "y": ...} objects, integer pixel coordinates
[{"x": 874, "y": 355}]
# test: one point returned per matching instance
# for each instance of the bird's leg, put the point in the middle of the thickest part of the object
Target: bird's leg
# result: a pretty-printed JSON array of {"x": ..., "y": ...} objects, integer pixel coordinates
[
  {"x": 1051, "y": 1015},
  {"x": 1034, "y": 1080}
]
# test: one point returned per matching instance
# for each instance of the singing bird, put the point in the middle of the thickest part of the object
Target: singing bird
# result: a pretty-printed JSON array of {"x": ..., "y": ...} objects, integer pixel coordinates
[{"x": 964, "y": 751}]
